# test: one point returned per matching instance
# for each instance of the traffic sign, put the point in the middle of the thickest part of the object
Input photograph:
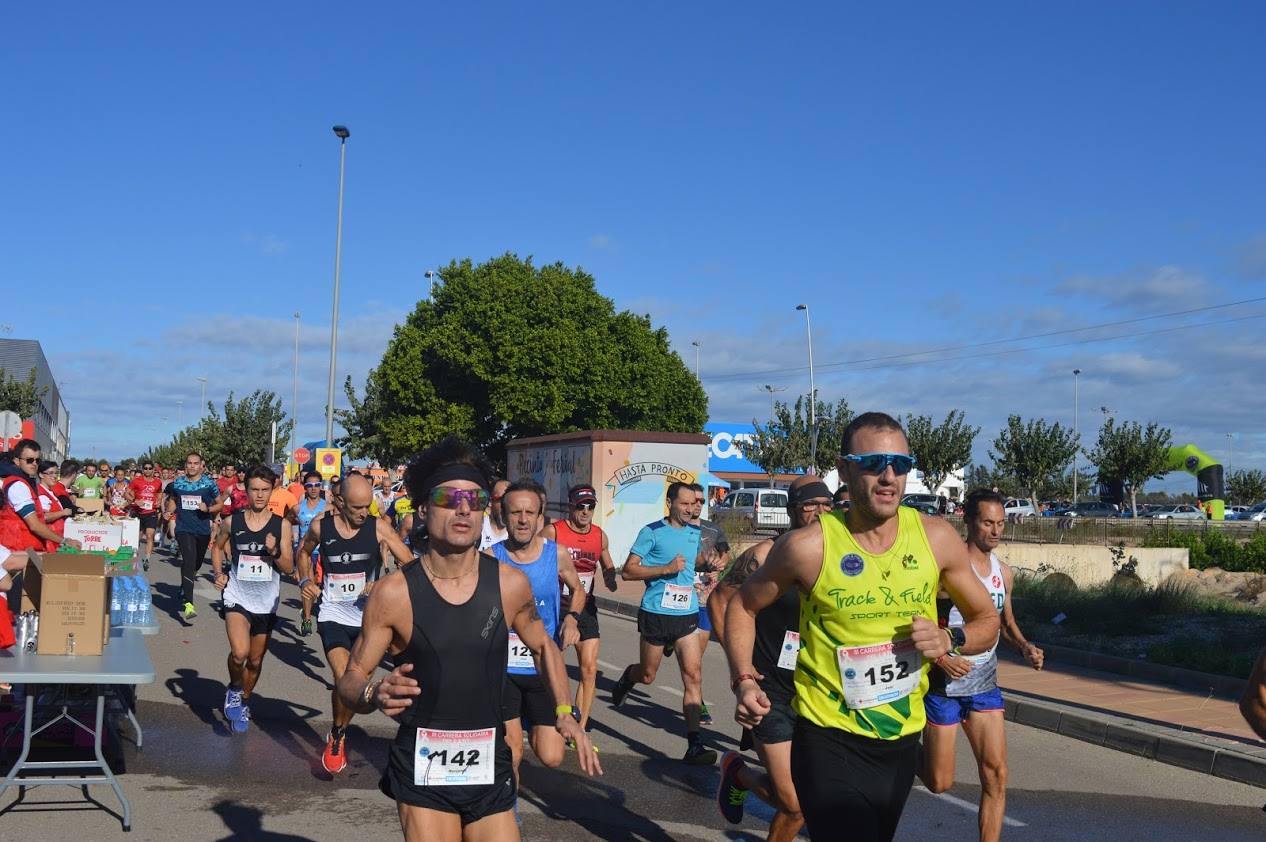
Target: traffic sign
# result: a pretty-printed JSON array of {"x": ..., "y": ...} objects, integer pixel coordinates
[
  {"x": 302, "y": 455},
  {"x": 329, "y": 461}
]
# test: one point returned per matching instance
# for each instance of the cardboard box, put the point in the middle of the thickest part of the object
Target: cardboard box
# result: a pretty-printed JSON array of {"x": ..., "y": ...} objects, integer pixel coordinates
[
  {"x": 91, "y": 505},
  {"x": 131, "y": 532},
  {"x": 95, "y": 537},
  {"x": 73, "y": 598}
]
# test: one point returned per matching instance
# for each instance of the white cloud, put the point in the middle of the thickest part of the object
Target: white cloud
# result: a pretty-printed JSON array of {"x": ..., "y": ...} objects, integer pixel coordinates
[
  {"x": 601, "y": 241},
  {"x": 1162, "y": 288},
  {"x": 268, "y": 244}
]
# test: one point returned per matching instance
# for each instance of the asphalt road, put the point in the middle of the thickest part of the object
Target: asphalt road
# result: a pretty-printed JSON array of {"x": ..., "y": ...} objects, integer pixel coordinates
[{"x": 196, "y": 781}]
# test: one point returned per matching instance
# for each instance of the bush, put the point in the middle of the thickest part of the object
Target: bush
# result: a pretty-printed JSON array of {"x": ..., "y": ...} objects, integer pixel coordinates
[{"x": 1214, "y": 549}]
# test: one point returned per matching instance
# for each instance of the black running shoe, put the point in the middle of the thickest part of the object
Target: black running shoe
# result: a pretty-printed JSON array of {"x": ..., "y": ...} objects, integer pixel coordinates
[
  {"x": 697, "y": 755},
  {"x": 622, "y": 688}
]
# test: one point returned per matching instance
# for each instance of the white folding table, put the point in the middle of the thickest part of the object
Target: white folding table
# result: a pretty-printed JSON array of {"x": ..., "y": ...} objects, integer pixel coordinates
[{"x": 125, "y": 661}]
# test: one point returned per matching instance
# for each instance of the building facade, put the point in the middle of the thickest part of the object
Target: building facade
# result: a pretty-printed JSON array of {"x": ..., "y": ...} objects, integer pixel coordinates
[{"x": 52, "y": 420}]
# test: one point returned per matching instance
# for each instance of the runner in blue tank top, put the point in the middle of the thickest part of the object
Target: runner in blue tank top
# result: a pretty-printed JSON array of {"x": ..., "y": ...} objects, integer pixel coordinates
[
  {"x": 544, "y": 563},
  {"x": 311, "y": 507}
]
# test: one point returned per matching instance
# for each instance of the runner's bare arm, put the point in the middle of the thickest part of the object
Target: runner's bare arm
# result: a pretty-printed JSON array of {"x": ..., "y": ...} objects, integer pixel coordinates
[
  {"x": 285, "y": 558},
  {"x": 980, "y": 615},
  {"x": 218, "y": 547},
  {"x": 740, "y": 571},
  {"x": 608, "y": 565},
  {"x": 550, "y": 533},
  {"x": 1011, "y": 629},
  {"x": 1253, "y": 702},
  {"x": 525, "y": 620},
  {"x": 384, "y": 619},
  {"x": 634, "y": 571},
  {"x": 387, "y": 535}
]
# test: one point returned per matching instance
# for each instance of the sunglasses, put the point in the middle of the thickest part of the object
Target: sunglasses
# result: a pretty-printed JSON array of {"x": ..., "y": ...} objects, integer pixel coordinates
[
  {"x": 587, "y": 506},
  {"x": 877, "y": 463},
  {"x": 814, "y": 505},
  {"x": 451, "y": 498},
  {"x": 312, "y": 485},
  {"x": 28, "y": 460}
]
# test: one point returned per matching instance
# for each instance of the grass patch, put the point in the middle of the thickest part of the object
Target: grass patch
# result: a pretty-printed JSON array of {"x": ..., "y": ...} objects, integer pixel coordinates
[{"x": 1174, "y": 623}]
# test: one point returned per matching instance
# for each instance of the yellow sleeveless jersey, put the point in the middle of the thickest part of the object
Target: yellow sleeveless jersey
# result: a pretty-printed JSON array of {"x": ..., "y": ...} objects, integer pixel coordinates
[{"x": 858, "y": 670}]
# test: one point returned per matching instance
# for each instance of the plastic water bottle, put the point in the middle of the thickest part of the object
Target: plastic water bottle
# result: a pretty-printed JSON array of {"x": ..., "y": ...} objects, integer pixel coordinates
[
  {"x": 147, "y": 602},
  {"x": 130, "y": 606},
  {"x": 116, "y": 602}
]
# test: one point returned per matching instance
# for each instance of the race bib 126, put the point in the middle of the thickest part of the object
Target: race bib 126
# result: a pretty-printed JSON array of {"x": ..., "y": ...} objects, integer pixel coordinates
[{"x": 676, "y": 597}]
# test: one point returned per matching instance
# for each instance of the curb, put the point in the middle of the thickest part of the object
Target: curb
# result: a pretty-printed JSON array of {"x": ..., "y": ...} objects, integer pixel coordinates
[
  {"x": 615, "y": 606},
  {"x": 1221, "y": 685},
  {"x": 1222, "y": 758}
]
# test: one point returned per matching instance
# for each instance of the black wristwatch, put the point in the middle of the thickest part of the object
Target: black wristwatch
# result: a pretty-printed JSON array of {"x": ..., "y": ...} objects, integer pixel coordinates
[
  {"x": 958, "y": 638},
  {"x": 573, "y": 615}
]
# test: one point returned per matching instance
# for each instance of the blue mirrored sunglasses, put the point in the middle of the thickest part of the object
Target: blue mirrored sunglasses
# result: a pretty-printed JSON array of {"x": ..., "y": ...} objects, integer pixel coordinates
[{"x": 877, "y": 463}]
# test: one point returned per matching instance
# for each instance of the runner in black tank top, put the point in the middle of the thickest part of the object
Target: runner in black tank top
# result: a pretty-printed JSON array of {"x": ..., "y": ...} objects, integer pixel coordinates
[
  {"x": 774, "y": 651},
  {"x": 445, "y": 620}
]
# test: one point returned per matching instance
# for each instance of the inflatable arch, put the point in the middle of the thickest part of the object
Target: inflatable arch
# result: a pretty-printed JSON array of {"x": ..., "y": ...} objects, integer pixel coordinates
[{"x": 1210, "y": 485}]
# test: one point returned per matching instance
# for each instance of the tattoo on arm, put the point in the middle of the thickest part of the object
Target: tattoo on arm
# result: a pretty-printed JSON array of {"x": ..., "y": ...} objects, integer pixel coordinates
[
  {"x": 533, "y": 615},
  {"x": 740, "y": 570}
]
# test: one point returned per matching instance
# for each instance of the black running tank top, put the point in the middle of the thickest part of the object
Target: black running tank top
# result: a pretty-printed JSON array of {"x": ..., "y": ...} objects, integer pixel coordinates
[
  {"x": 770, "y": 645},
  {"x": 458, "y": 654}
]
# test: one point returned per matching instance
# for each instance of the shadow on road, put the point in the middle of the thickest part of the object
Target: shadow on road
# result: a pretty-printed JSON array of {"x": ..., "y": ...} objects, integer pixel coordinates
[{"x": 246, "y": 824}]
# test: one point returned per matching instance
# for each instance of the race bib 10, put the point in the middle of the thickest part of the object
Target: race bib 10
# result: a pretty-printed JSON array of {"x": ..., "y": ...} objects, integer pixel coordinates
[{"x": 344, "y": 587}]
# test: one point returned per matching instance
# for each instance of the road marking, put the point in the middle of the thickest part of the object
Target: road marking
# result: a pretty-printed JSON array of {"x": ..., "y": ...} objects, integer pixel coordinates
[{"x": 966, "y": 805}]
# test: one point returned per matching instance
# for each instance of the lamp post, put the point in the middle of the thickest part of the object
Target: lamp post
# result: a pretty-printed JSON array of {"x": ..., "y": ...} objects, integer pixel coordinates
[
  {"x": 342, "y": 134},
  {"x": 1230, "y": 451},
  {"x": 430, "y": 284},
  {"x": 697, "y": 345},
  {"x": 1076, "y": 432},
  {"x": 203, "y": 381},
  {"x": 813, "y": 392},
  {"x": 294, "y": 395},
  {"x": 772, "y": 390}
]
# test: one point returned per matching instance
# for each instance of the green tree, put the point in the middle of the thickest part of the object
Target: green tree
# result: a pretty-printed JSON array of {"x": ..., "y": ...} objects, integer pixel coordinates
[
  {"x": 1061, "y": 487},
  {"x": 241, "y": 436},
  {"x": 1246, "y": 488},
  {"x": 783, "y": 445},
  {"x": 1131, "y": 454},
  {"x": 980, "y": 476},
  {"x": 940, "y": 449},
  {"x": 20, "y": 396},
  {"x": 505, "y": 350},
  {"x": 1033, "y": 453}
]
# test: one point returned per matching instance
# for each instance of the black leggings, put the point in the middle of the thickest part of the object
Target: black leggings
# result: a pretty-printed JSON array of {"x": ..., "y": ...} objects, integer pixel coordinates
[
  {"x": 850, "y": 787},
  {"x": 193, "y": 549}
]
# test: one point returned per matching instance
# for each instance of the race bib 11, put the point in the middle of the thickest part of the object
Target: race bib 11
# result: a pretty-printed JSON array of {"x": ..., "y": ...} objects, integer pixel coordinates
[{"x": 253, "y": 568}]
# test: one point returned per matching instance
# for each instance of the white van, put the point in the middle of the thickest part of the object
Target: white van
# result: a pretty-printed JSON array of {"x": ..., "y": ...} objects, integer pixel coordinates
[
  {"x": 764, "y": 508},
  {"x": 1018, "y": 508}
]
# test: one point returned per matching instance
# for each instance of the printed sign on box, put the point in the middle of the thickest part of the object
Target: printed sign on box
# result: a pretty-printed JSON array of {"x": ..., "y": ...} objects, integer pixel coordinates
[
  {"x": 131, "y": 535},
  {"x": 96, "y": 537}
]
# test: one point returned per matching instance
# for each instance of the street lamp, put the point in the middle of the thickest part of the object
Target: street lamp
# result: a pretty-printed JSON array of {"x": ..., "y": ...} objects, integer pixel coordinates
[
  {"x": 342, "y": 134},
  {"x": 697, "y": 345},
  {"x": 203, "y": 381},
  {"x": 772, "y": 390},
  {"x": 1076, "y": 433},
  {"x": 294, "y": 396},
  {"x": 1230, "y": 451},
  {"x": 813, "y": 392},
  {"x": 430, "y": 284}
]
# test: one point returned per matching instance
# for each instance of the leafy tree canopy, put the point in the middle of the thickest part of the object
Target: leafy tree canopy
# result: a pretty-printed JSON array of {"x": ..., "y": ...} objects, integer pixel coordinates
[
  {"x": 1131, "y": 454},
  {"x": 20, "y": 396},
  {"x": 504, "y": 350},
  {"x": 940, "y": 449}
]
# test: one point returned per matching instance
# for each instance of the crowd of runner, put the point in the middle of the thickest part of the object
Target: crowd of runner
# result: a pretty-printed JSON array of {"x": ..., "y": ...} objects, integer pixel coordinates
[{"x": 858, "y": 642}]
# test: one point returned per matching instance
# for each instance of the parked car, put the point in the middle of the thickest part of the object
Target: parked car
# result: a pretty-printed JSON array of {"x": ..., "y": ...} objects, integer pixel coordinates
[
  {"x": 1256, "y": 513},
  {"x": 1018, "y": 508},
  {"x": 764, "y": 508},
  {"x": 1186, "y": 511},
  {"x": 1234, "y": 512},
  {"x": 929, "y": 504},
  {"x": 1089, "y": 508}
]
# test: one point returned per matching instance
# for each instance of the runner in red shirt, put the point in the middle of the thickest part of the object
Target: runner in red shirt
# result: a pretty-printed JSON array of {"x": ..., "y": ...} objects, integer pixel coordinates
[{"x": 144, "y": 492}]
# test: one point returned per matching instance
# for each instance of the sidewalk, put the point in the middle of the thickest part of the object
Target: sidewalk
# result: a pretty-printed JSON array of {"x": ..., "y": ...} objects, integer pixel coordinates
[{"x": 1194, "y": 729}]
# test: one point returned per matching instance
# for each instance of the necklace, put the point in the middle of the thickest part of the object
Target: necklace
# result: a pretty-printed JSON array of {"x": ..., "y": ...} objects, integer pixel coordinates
[{"x": 466, "y": 572}]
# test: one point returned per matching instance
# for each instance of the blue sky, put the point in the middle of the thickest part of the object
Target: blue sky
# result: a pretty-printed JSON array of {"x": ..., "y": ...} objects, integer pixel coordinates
[{"x": 923, "y": 176}]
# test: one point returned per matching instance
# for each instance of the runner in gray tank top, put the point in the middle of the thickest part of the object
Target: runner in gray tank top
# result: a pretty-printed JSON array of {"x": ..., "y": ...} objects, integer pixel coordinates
[{"x": 964, "y": 688}]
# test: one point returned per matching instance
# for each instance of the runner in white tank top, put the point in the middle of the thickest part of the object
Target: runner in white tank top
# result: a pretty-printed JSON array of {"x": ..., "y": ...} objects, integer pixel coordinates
[{"x": 965, "y": 688}]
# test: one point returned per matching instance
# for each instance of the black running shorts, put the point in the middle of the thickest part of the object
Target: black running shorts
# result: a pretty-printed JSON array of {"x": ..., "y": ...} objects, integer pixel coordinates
[
  {"x": 777, "y": 725},
  {"x": 260, "y": 623},
  {"x": 663, "y": 629},
  {"x": 587, "y": 625},
  {"x": 470, "y": 803},
  {"x": 527, "y": 697},
  {"x": 337, "y": 636},
  {"x": 851, "y": 785},
  {"x": 147, "y": 522}
]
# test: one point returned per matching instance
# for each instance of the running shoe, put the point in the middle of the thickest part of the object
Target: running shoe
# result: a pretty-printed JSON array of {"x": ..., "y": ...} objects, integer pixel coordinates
[
  {"x": 622, "y": 688},
  {"x": 243, "y": 720},
  {"x": 731, "y": 796},
  {"x": 190, "y": 612},
  {"x": 697, "y": 755},
  {"x": 333, "y": 758},
  {"x": 145, "y": 564},
  {"x": 705, "y": 715},
  {"x": 305, "y": 627},
  {"x": 232, "y": 704}
]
